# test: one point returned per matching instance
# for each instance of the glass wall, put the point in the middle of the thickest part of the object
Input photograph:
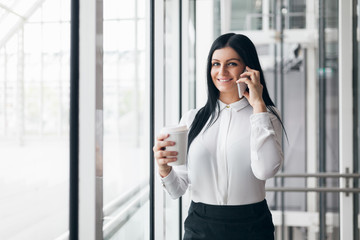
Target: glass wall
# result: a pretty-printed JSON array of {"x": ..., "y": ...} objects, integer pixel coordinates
[
  {"x": 259, "y": 14},
  {"x": 246, "y": 15},
  {"x": 126, "y": 119},
  {"x": 34, "y": 119},
  {"x": 295, "y": 14},
  {"x": 293, "y": 82},
  {"x": 302, "y": 74}
]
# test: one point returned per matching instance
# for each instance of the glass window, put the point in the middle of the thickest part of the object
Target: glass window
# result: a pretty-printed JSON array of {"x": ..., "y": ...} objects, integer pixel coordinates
[
  {"x": 306, "y": 104},
  {"x": 252, "y": 15},
  {"x": 126, "y": 120},
  {"x": 246, "y": 15},
  {"x": 34, "y": 123},
  {"x": 295, "y": 17}
]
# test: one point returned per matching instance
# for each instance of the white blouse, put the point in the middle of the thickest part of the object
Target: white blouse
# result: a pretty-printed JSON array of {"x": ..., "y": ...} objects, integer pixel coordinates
[{"x": 229, "y": 162}]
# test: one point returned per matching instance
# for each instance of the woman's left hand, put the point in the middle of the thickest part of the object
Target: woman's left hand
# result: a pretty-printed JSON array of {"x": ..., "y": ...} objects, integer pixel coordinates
[{"x": 252, "y": 79}]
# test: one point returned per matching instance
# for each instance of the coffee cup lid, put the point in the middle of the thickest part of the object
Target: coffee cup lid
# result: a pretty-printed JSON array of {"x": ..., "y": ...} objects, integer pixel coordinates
[{"x": 175, "y": 128}]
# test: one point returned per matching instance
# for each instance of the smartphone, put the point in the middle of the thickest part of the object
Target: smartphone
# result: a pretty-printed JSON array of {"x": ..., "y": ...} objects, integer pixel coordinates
[{"x": 241, "y": 87}]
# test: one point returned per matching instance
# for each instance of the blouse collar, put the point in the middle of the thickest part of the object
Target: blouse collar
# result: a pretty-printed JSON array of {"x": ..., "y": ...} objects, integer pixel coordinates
[{"x": 237, "y": 106}]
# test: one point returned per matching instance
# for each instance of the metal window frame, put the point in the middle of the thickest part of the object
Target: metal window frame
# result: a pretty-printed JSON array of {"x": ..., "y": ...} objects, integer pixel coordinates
[
  {"x": 152, "y": 120},
  {"x": 90, "y": 120},
  {"x": 322, "y": 117},
  {"x": 180, "y": 4},
  {"x": 356, "y": 112},
  {"x": 311, "y": 113},
  {"x": 157, "y": 113},
  {"x": 346, "y": 148},
  {"x": 187, "y": 96},
  {"x": 74, "y": 123}
]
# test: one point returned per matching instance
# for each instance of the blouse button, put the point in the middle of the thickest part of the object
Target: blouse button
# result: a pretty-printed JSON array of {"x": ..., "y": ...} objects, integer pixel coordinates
[{"x": 227, "y": 106}]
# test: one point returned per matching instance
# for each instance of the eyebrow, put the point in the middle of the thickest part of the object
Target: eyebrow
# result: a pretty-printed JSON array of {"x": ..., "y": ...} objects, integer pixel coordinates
[{"x": 231, "y": 59}]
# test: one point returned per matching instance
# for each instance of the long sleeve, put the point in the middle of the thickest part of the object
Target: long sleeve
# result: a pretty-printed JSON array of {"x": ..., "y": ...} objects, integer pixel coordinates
[
  {"x": 176, "y": 183},
  {"x": 266, "y": 151}
]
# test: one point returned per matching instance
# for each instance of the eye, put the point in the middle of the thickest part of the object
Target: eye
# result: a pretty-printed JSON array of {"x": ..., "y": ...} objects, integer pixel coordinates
[
  {"x": 215, "y": 64},
  {"x": 232, "y": 64}
]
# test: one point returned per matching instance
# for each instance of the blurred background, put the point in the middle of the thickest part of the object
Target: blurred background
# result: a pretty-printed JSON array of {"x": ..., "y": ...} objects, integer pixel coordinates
[{"x": 152, "y": 62}]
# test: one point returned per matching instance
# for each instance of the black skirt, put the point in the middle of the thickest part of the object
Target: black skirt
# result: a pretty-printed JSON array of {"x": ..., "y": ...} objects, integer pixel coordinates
[{"x": 243, "y": 222}]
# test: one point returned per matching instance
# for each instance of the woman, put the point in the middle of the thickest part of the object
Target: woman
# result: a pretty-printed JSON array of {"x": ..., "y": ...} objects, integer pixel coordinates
[{"x": 234, "y": 145}]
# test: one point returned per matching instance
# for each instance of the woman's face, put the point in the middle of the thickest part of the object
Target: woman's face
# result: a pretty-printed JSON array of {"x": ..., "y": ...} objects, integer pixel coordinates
[{"x": 226, "y": 68}]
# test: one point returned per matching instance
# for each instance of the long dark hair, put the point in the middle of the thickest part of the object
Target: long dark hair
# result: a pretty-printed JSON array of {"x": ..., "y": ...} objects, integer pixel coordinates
[{"x": 247, "y": 51}]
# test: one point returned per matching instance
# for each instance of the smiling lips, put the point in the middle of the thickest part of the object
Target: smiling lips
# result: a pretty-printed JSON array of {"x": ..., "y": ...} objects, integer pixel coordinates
[{"x": 224, "y": 80}]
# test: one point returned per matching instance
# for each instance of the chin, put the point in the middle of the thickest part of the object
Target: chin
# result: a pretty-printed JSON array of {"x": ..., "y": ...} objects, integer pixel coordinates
[{"x": 228, "y": 91}]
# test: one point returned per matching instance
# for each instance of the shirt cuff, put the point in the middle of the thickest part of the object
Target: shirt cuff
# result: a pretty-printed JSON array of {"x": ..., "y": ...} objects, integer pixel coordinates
[
  {"x": 260, "y": 119},
  {"x": 169, "y": 179}
]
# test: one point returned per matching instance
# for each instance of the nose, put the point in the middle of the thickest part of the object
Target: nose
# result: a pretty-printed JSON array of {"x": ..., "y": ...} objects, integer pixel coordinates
[{"x": 223, "y": 71}]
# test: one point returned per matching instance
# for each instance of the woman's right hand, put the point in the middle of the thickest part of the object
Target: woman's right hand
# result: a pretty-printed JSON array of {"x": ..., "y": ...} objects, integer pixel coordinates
[{"x": 162, "y": 156}]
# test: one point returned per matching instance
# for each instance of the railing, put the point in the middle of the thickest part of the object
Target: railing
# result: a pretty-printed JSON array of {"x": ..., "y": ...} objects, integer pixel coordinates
[
  {"x": 130, "y": 202},
  {"x": 120, "y": 210},
  {"x": 347, "y": 176},
  {"x": 306, "y": 219}
]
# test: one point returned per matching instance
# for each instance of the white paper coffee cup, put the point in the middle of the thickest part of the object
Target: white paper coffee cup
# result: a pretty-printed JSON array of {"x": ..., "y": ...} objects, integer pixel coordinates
[{"x": 179, "y": 135}]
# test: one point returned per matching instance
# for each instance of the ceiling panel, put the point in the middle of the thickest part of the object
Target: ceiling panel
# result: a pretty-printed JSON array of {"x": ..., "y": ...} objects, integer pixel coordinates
[{"x": 12, "y": 15}]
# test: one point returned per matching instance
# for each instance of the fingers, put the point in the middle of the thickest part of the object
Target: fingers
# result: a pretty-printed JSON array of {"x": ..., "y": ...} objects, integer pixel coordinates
[
  {"x": 164, "y": 157},
  {"x": 244, "y": 80},
  {"x": 165, "y": 154},
  {"x": 254, "y": 75},
  {"x": 165, "y": 161},
  {"x": 161, "y": 145},
  {"x": 251, "y": 77},
  {"x": 246, "y": 95},
  {"x": 162, "y": 137}
]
